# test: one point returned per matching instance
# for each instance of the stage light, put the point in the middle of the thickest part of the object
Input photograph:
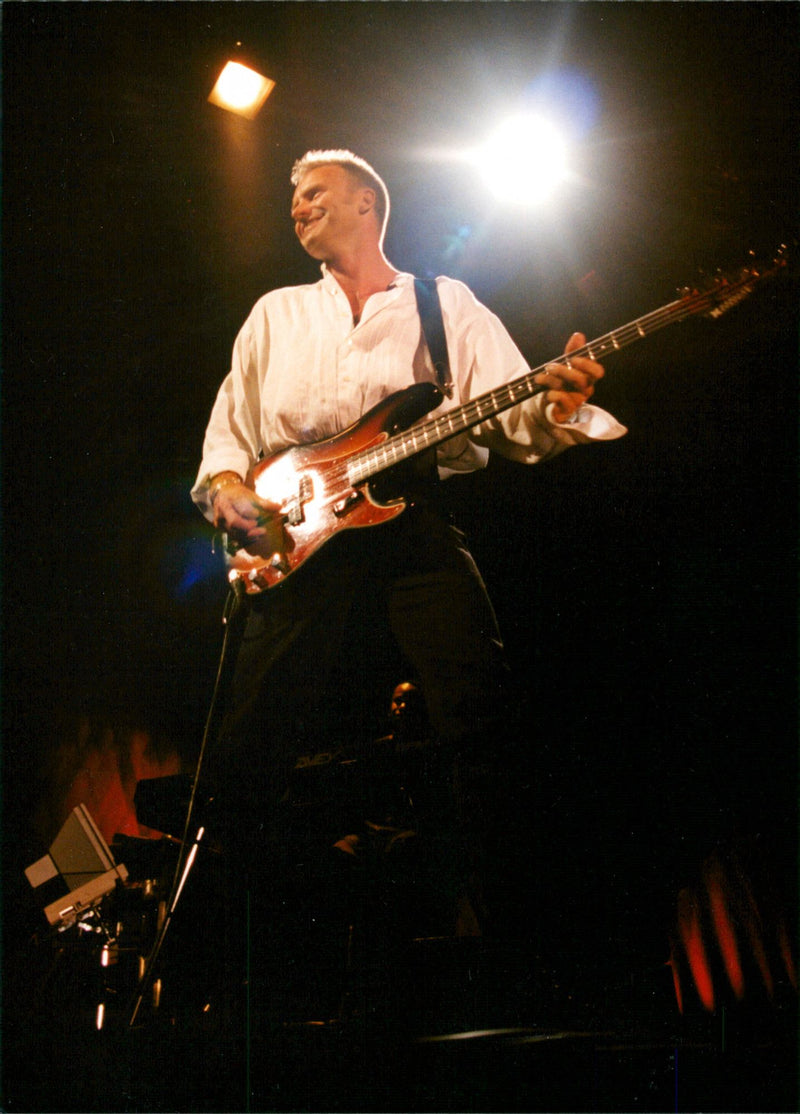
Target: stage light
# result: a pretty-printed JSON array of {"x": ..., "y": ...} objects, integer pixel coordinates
[
  {"x": 523, "y": 161},
  {"x": 241, "y": 90}
]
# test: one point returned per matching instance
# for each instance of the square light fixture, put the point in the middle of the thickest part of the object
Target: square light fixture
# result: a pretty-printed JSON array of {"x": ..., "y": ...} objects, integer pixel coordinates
[{"x": 241, "y": 90}]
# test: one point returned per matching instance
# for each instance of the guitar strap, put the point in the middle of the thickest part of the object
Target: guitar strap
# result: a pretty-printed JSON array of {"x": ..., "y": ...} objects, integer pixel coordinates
[{"x": 430, "y": 313}]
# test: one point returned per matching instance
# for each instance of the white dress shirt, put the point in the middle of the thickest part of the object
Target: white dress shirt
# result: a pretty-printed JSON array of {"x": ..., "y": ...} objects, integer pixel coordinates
[{"x": 302, "y": 371}]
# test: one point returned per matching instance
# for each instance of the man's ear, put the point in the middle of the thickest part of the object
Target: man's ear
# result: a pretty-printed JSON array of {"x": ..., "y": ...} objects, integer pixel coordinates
[{"x": 367, "y": 200}]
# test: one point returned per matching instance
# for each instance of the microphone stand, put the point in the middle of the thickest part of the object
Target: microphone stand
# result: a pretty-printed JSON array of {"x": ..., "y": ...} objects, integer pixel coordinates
[{"x": 233, "y": 622}]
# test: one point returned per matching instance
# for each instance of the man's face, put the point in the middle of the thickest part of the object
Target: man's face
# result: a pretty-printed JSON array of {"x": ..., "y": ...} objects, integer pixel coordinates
[
  {"x": 325, "y": 210},
  {"x": 403, "y": 697}
]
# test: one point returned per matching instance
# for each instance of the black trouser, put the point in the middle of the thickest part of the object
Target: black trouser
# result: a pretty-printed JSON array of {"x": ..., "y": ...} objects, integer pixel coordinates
[
  {"x": 303, "y": 684},
  {"x": 302, "y": 678}
]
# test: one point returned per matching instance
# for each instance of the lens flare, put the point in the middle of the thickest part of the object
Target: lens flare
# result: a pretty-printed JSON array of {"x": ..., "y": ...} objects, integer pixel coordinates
[{"x": 523, "y": 161}]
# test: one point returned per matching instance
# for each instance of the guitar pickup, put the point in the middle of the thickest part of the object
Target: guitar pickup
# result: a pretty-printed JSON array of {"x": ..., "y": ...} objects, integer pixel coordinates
[
  {"x": 293, "y": 508},
  {"x": 345, "y": 505}
]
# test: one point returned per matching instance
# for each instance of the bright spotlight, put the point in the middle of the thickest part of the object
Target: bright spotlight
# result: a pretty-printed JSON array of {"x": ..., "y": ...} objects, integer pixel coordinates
[
  {"x": 241, "y": 90},
  {"x": 523, "y": 161}
]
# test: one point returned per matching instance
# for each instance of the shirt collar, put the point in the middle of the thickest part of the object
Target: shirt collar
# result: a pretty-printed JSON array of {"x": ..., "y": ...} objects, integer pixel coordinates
[{"x": 329, "y": 282}]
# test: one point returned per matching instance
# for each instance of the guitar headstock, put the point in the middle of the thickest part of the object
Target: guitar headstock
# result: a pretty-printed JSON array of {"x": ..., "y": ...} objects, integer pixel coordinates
[{"x": 726, "y": 290}]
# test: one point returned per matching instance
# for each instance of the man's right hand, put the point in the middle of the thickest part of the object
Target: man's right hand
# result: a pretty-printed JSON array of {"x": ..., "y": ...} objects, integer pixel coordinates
[{"x": 242, "y": 514}]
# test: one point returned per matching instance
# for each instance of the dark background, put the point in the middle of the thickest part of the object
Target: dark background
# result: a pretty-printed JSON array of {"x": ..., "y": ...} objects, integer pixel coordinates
[{"x": 646, "y": 587}]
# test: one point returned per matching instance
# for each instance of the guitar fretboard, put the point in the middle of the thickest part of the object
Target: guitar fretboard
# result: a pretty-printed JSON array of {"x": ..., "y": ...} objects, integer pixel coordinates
[{"x": 433, "y": 431}]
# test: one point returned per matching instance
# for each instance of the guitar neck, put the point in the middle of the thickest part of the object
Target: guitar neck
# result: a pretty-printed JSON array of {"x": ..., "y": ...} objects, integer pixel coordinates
[{"x": 427, "y": 434}]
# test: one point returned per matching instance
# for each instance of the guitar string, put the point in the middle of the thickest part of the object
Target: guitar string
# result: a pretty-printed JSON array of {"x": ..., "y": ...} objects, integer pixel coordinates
[
  {"x": 361, "y": 465},
  {"x": 722, "y": 296},
  {"x": 377, "y": 457}
]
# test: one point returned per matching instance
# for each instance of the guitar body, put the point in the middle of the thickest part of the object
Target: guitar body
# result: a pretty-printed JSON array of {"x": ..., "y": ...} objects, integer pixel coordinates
[
  {"x": 353, "y": 479},
  {"x": 311, "y": 486}
]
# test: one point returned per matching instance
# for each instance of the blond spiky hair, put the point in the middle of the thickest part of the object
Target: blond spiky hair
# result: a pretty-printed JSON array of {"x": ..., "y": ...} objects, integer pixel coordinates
[{"x": 355, "y": 165}]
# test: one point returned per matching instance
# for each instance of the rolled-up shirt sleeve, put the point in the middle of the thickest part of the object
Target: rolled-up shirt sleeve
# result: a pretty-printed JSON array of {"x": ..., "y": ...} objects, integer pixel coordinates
[{"x": 527, "y": 433}]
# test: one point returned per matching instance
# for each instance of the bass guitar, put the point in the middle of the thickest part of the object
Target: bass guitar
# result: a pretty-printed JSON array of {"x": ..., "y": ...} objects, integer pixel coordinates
[{"x": 335, "y": 484}]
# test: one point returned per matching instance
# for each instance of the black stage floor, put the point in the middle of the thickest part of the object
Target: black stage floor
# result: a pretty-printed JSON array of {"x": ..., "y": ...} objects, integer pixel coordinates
[
  {"x": 312, "y": 988},
  {"x": 453, "y": 1025}
]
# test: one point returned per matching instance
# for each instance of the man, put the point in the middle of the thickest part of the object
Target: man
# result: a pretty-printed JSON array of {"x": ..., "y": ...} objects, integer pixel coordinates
[{"x": 308, "y": 362}]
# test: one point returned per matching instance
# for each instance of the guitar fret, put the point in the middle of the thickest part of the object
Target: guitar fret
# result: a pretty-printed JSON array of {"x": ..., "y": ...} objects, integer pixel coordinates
[
  {"x": 434, "y": 431},
  {"x": 328, "y": 474}
]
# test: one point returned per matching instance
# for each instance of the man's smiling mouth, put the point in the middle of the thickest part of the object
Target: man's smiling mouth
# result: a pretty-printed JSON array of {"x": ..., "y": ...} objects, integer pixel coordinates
[{"x": 305, "y": 225}]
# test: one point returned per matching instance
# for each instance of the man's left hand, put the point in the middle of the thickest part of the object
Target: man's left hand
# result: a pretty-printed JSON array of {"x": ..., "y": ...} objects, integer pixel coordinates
[{"x": 571, "y": 383}]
